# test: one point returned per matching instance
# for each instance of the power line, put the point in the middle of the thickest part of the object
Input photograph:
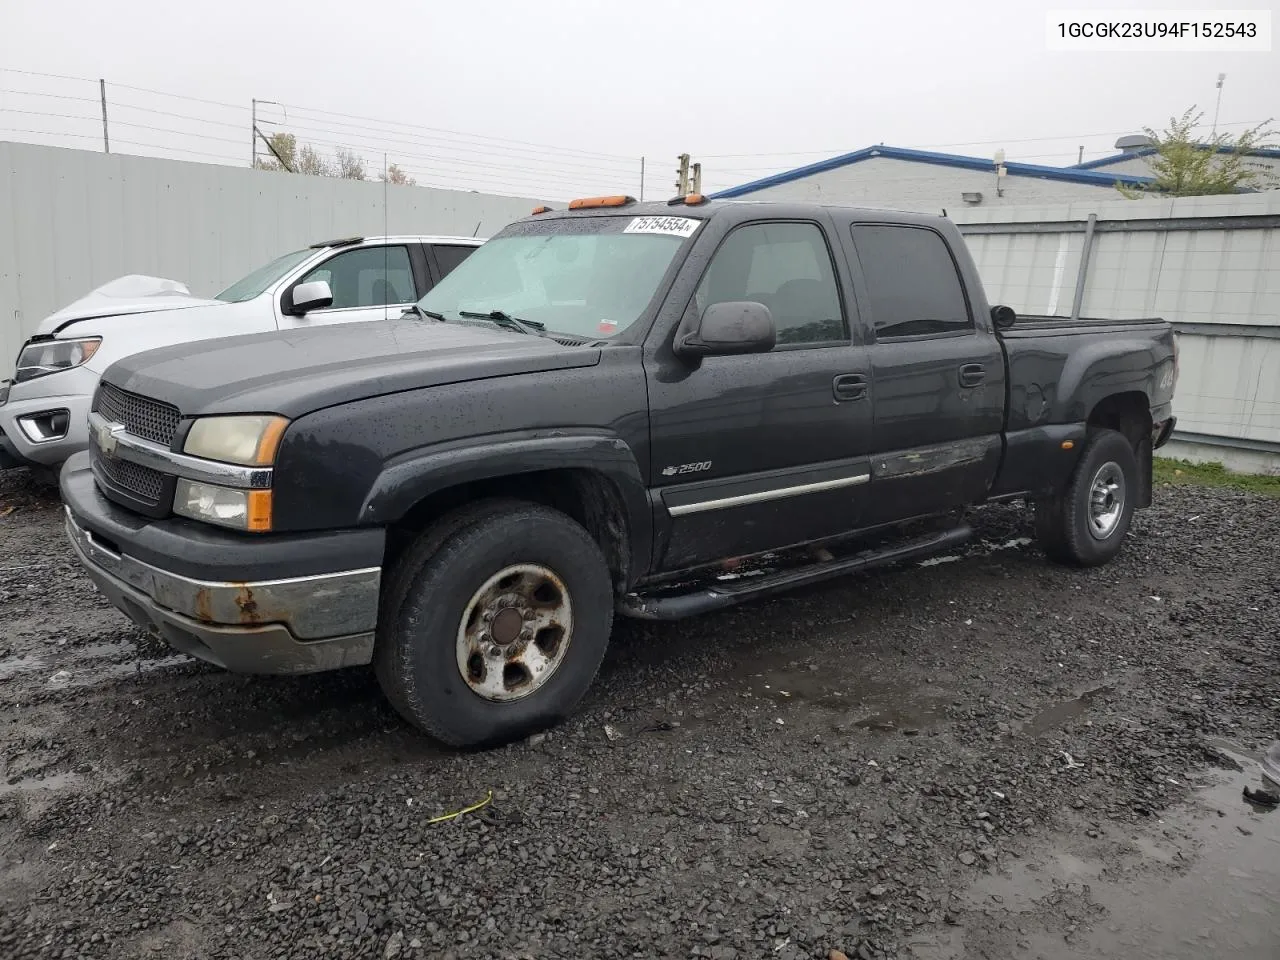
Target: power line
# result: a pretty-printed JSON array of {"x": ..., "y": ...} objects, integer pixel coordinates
[
  {"x": 463, "y": 133},
  {"x": 52, "y": 96},
  {"x": 301, "y": 132},
  {"x": 180, "y": 96}
]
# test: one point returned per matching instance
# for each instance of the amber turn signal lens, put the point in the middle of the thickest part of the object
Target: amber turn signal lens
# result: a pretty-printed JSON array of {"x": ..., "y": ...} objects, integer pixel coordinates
[
  {"x": 586, "y": 203},
  {"x": 1068, "y": 444},
  {"x": 538, "y": 210},
  {"x": 258, "y": 515},
  {"x": 693, "y": 199}
]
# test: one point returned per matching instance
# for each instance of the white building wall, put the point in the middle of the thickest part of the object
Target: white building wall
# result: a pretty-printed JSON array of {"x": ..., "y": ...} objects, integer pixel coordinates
[
  {"x": 71, "y": 220},
  {"x": 886, "y": 182}
]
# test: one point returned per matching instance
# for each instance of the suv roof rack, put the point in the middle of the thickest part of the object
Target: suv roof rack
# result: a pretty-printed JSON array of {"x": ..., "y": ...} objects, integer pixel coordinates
[{"x": 344, "y": 242}]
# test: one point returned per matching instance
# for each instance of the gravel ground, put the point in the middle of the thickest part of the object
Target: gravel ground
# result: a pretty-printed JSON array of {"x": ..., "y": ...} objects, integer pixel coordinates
[{"x": 857, "y": 767}]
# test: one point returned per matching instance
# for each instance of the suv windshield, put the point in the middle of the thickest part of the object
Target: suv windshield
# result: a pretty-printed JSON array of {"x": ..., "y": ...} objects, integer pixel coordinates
[
  {"x": 246, "y": 288},
  {"x": 589, "y": 277}
]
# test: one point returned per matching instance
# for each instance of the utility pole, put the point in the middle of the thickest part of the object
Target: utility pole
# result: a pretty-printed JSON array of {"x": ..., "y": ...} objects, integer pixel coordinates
[
  {"x": 253, "y": 135},
  {"x": 697, "y": 179},
  {"x": 102, "y": 95},
  {"x": 682, "y": 176},
  {"x": 1080, "y": 156},
  {"x": 1217, "y": 106},
  {"x": 642, "y": 178}
]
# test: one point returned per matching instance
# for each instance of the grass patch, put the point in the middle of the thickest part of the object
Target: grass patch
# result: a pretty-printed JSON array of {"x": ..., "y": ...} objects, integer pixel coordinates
[{"x": 1185, "y": 473}]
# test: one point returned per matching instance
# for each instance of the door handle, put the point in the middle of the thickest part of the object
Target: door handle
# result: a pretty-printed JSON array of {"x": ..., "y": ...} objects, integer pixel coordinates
[
  {"x": 972, "y": 375},
  {"x": 850, "y": 386}
]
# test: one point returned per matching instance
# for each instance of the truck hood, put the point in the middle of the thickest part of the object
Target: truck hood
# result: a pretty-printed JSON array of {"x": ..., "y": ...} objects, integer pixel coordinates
[
  {"x": 296, "y": 372},
  {"x": 124, "y": 295}
]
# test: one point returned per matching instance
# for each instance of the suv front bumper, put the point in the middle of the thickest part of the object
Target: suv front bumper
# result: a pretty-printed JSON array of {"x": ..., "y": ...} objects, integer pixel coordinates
[{"x": 195, "y": 587}]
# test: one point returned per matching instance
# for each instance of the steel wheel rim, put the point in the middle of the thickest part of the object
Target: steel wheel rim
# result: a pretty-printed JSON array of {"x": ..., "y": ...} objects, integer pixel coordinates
[
  {"x": 514, "y": 632},
  {"x": 1106, "y": 500}
]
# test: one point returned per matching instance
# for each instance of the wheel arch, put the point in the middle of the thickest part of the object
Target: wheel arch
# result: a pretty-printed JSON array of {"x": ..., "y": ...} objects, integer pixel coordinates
[
  {"x": 592, "y": 478},
  {"x": 1129, "y": 414}
]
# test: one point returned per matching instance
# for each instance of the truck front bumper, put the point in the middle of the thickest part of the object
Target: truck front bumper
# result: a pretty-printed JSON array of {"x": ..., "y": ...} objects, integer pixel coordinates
[{"x": 171, "y": 578}]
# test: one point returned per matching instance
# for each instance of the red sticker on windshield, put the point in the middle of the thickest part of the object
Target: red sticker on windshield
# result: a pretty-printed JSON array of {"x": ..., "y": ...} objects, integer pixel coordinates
[{"x": 607, "y": 326}]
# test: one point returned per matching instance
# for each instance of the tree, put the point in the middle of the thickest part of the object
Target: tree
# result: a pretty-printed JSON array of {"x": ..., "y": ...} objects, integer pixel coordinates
[
  {"x": 311, "y": 162},
  {"x": 350, "y": 166},
  {"x": 280, "y": 146},
  {"x": 395, "y": 175},
  {"x": 1186, "y": 166}
]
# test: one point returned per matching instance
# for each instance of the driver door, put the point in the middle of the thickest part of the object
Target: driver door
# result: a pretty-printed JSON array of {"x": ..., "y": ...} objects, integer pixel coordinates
[{"x": 368, "y": 283}]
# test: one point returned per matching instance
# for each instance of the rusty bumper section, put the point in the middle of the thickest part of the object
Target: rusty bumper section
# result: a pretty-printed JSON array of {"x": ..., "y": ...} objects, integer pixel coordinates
[{"x": 300, "y": 625}]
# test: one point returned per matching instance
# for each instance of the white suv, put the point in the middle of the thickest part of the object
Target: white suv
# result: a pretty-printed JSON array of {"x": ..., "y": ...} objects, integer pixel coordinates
[{"x": 44, "y": 409}]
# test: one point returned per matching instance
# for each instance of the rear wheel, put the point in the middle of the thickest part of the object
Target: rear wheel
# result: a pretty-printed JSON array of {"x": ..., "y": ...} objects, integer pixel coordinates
[
  {"x": 494, "y": 624},
  {"x": 1086, "y": 524}
]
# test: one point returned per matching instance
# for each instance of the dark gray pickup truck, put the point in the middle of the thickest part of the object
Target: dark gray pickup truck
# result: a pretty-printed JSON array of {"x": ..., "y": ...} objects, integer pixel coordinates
[{"x": 592, "y": 414}]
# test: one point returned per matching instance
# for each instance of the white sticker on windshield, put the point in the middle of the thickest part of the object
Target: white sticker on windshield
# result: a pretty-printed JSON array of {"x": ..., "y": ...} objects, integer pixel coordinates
[{"x": 672, "y": 226}]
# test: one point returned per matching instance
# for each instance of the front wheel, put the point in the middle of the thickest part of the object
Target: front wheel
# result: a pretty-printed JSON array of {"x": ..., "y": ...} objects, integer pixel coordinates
[
  {"x": 1085, "y": 525},
  {"x": 495, "y": 623}
]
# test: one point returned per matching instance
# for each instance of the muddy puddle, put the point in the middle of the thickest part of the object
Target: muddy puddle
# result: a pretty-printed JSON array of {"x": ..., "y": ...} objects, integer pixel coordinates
[
  {"x": 1203, "y": 882},
  {"x": 858, "y": 699}
]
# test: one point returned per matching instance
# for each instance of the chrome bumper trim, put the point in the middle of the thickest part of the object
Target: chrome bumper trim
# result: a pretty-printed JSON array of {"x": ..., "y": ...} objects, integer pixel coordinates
[{"x": 312, "y": 608}]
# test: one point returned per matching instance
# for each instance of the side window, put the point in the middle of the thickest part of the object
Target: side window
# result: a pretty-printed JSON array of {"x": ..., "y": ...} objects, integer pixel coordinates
[
  {"x": 450, "y": 257},
  {"x": 367, "y": 277},
  {"x": 785, "y": 266},
  {"x": 912, "y": 282}
]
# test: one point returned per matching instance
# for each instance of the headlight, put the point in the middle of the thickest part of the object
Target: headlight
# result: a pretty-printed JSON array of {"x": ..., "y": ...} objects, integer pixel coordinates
[
  {"x": 249, "y": 441},
  {"x": 50, "y": 356},
  {"x": 225, "y": 506}
]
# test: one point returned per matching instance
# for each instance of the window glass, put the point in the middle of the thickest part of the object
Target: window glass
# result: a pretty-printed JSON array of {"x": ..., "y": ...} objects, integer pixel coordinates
[
  {"x": 449, "y": 257},
  {"x": 246, "y": 288},
  {"x": 785, "y": 266},
  {"x": 583, "y": 276},
  {"x": 912, "y": 283},
  {"x": 367, "y": 277}
]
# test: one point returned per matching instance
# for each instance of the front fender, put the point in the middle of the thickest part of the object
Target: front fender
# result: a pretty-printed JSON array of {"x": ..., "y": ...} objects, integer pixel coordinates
[{"x": 412, "y": 477}]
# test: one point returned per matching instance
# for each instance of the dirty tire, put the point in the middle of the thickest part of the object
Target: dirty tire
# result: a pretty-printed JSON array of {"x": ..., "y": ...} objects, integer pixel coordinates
[
  {"x": 433, "y": 583},
  {"x": 1063, "y": 524}
]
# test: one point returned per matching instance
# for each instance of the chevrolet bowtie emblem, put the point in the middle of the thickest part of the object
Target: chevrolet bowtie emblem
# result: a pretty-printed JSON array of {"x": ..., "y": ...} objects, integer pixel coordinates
[{"x": 107, "y": 435}]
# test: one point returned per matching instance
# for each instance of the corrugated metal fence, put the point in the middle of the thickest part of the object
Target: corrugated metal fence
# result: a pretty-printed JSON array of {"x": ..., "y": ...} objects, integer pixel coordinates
[
  {"x": 71, "y": 220},
  {"x": 1211, "y": 265}
]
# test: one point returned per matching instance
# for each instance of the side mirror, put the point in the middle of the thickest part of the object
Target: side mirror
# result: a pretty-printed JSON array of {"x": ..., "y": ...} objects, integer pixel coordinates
[
  {"x": 1003, "y": 317},
  {"x": 733, "y": 327},
  {"x": 313, "y": 295}
]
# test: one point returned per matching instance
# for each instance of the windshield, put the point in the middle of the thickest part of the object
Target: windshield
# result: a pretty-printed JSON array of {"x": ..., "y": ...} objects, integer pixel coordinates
[
  {"x": 589, "y": 277},
  {"x": 249, "y": 287}
]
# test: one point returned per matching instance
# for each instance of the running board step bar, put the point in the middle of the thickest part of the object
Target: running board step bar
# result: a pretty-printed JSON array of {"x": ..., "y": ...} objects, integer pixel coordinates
[{"x": 703, "y": 598}]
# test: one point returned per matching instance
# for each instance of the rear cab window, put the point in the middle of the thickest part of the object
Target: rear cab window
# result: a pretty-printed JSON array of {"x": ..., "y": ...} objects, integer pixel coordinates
[{"x": 913, "y": 283}]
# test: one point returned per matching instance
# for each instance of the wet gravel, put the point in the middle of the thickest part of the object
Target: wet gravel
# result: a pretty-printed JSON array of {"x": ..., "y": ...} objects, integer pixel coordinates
[{"x": 826, "y": 771}]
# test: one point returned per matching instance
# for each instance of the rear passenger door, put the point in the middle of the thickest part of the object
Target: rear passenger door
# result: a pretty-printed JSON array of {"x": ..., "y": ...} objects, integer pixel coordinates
[
  {"x": 938, "y": 374},
  {"x": 368, "y": 283},
  {"x": 751, "y": 453}
]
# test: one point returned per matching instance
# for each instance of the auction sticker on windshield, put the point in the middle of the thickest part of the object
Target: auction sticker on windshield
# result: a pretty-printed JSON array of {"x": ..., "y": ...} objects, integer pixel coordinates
[{"x": 671, "y": 226}]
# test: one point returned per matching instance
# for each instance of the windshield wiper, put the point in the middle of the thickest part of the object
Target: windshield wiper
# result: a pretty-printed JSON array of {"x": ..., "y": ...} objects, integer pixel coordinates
[
  {"x": 428, "y": 314},
  {"x": 507, "y": 320}
]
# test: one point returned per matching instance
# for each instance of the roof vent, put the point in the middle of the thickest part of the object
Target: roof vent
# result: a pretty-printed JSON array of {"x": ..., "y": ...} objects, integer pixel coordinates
[{"x": 1134, "y": 142}]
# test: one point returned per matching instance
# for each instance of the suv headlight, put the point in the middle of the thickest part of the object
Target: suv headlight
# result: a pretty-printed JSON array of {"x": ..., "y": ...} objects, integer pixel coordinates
[
  {"x": 250, "y": 441},
  {"x": 49, "y": 356}
]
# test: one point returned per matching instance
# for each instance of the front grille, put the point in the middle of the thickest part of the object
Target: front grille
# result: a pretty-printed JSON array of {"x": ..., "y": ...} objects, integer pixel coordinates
[
  {"x": 141, "y": 482},
  {"x": 143, "y": 417}
]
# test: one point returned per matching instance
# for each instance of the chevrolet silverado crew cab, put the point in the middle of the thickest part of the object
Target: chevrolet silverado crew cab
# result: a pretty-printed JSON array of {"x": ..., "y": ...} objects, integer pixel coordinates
[
  {"x": 591, "y": 415},
  {"x": 44, "y": 407}
]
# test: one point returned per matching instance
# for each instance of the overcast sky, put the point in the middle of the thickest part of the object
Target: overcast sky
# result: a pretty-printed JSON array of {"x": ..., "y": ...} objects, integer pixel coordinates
[{"x": 559, "y": 97}]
